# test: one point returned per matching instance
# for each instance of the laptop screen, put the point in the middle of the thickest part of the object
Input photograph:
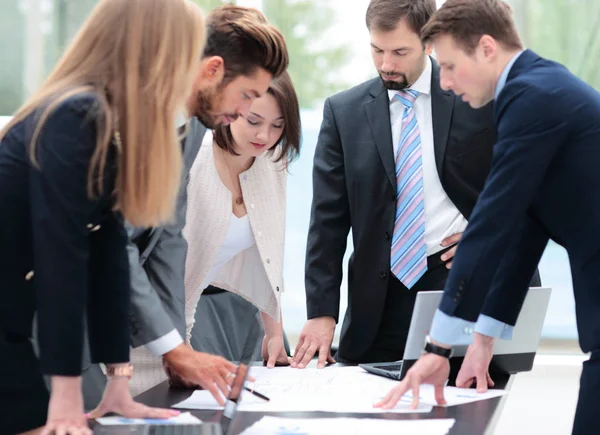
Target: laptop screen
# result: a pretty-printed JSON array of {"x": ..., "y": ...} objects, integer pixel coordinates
[{"x": 241, "y": 374}]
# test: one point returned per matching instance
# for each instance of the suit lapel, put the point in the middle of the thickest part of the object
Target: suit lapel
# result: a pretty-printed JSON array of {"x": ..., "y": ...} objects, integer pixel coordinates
[
  {"x": 442, "y": 104},
  {"x": 190, "y": 145},
  {"x": 378, "y": 115}
]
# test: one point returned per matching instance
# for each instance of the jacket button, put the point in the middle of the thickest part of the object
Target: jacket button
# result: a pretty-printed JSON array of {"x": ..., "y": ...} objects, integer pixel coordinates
[
  {"x": 383, "y": 274},
  {"x": 387, "y": 236},
  {"x": 90, "y": 226},
  {"x": 29, "y": 275},
  {"x": 277, "y": 288},
  {"x": 393, "y": 197},
  {"x": 96, "y": 228}
]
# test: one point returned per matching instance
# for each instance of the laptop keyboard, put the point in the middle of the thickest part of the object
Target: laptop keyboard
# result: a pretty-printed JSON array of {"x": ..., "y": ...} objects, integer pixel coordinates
[
  {"x": 176, "y": 429},
  {"x": 391, "y": 367}
]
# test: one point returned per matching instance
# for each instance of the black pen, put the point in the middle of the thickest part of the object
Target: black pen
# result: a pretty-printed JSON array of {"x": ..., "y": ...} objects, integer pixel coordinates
[{"x": 256, "y": 393}]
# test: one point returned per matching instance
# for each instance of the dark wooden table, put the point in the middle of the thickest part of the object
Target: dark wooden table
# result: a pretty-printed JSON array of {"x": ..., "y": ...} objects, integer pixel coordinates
[{"x": 475, "y": 418}]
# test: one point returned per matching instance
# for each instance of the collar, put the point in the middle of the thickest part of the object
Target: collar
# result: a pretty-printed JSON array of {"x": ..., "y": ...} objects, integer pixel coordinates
[
  {"x": 423, "y": 83},
  {"x": 505, "y": 72},
  {"x": 181, "y": 120}
]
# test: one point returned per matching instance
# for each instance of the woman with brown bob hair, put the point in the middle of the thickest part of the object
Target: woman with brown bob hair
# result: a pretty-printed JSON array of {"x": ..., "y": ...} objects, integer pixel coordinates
[
  {"x": 236, "y": 227},
  {"x": 95, "y": 145}
]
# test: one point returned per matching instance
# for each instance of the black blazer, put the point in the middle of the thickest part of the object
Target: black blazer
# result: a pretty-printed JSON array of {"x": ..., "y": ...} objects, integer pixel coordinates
[
  {"x": 354, "y": 186},
  {"x": 544, "y": 183},
  {"x": 61, "y": 253}
]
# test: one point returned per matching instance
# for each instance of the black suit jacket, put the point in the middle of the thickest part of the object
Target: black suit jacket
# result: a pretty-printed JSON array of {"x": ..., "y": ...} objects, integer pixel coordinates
[
  {"x": 354, "y": 186},
  {"x": 544, "y": 183},
  {"x": 60, "y": 251}
]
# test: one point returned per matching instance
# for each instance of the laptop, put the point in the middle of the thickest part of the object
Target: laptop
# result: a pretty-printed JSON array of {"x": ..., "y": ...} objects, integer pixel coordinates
[
  {"x": 223, "y": 427},
  {"x": 510, "y": 356}
]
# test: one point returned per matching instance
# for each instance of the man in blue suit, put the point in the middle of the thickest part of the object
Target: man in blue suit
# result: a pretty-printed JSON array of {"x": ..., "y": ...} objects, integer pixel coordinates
[{"x": 544, "y": 184}]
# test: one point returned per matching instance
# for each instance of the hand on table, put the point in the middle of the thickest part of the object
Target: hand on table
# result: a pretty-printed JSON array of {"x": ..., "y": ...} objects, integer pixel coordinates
[
  {"x": 317, "y": 335},
  {"x": 190, "y": 369},
  {"x": 429, "y": 369},
  {"x": 273, "y": 352}
]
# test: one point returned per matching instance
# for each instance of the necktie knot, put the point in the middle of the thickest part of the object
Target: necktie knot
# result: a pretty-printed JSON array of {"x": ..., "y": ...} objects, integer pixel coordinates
[{"x": 408, "y": 97}]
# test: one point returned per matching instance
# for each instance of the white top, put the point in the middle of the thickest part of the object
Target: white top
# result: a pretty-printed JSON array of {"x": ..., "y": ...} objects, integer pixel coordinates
[
  {"x": 442, "y": 218},
  {"x": 239, "y": 237}
]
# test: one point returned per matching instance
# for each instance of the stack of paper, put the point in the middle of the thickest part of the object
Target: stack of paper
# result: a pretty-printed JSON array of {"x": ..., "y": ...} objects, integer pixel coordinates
[
  {"x": 332, "y": 389},
  {"x": 183, "y": 418},
  {"x": 348, "y": 426}
]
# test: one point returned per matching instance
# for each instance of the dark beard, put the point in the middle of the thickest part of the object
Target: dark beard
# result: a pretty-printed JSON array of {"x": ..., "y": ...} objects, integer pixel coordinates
[
  {"x": 393, "y": 85},
  {"x": 203, "y": 109}
]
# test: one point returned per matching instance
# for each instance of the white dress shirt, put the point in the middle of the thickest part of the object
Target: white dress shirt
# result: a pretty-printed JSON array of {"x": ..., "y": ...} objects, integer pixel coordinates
[{"x": 442, "y": 218}]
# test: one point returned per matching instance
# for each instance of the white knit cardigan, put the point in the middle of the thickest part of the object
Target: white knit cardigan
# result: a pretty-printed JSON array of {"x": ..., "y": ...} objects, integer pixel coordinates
[{"x": 256, "y": 273}]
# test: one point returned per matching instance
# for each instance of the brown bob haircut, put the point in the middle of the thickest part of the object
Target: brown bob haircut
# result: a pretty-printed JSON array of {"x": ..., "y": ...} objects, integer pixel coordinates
[
  {"x": 384, "y": 15},
  {"x": 466, "y": 21},
  {"x": 282, "y": 89},
  {"x": 246, "y": 41}
]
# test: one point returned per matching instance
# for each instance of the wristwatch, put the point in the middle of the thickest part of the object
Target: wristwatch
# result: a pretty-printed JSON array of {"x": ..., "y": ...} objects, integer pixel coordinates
[
  {"x": 121, "y": 371},
  {"x": 435, "y": 349}
]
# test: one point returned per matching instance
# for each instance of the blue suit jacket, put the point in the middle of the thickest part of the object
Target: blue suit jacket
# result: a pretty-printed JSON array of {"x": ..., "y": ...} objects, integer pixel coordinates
[{"x": 544, "y": 184}]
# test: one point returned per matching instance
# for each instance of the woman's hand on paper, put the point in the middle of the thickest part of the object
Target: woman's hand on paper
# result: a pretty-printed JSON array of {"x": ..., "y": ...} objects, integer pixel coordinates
[{"x": 273, "y": 351}]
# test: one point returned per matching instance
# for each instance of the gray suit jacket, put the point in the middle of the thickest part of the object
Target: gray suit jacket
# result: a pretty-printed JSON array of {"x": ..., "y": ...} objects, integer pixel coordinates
[{"x": 157, "y": 261}]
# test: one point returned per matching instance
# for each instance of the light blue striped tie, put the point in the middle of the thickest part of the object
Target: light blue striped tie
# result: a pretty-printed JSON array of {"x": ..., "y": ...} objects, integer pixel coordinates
[{"x": 409, "y": 251}]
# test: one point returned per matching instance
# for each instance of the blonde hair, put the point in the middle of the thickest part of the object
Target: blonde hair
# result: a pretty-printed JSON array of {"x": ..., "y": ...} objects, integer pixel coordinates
[{"x": 139, "y": 57}]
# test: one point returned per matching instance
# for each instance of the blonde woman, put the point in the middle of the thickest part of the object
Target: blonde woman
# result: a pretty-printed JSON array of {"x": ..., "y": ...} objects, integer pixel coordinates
[
  {"x": 95, "y": 145},
  {"x": 236, "y": 226}
]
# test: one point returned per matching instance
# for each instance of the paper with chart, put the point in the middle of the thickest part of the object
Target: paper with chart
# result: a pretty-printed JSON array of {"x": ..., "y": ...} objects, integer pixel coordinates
[
  {"x": 332, "y": 389},
  {"x": 348, "y": 426},
  {"x": 183, "y": 418}
]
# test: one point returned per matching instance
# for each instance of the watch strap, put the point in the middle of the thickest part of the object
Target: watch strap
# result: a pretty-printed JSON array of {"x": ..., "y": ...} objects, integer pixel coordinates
[
  {"x": 124, "y": 371},
  {"x": 438, "y": 350}
]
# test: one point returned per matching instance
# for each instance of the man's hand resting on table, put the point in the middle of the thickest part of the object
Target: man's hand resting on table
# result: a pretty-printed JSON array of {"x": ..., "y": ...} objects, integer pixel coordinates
[
  {"x": 475, "y": 367},
  {"x": 188, "y": 368},
  {"x": 317, "y": 335}
]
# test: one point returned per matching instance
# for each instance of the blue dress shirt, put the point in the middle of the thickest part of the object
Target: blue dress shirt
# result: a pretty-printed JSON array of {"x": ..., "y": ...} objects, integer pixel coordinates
[{"x": 453, "y": 330}]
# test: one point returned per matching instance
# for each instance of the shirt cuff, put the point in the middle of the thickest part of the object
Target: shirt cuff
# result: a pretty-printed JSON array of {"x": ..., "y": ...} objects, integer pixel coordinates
[
  {"x": 451, "y": 331},
  {"x": 165, "y": 344},
  {"x": 493, "y": 328}
]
